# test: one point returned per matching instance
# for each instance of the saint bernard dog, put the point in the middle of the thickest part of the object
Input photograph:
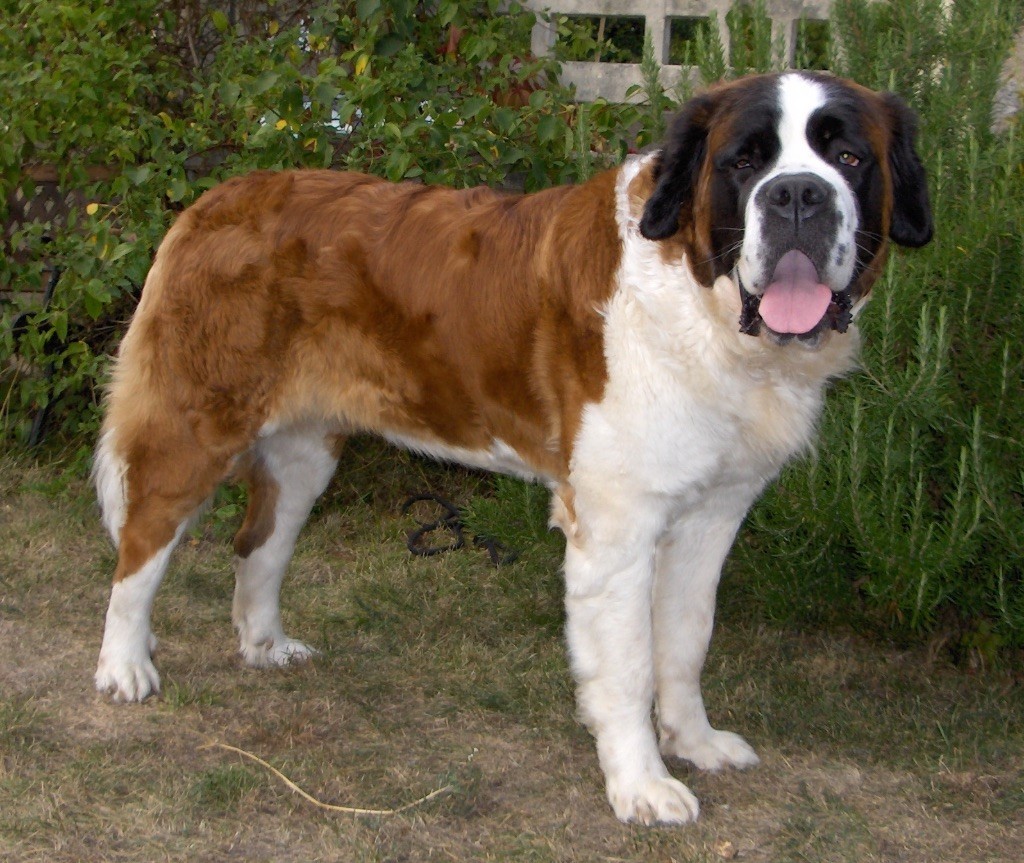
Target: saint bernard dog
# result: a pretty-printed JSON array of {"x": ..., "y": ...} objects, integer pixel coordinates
[{"x": 653, "y": 345}]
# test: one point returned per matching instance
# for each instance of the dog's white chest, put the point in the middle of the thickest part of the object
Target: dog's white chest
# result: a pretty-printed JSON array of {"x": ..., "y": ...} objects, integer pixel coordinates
[{"x": 655, "y": 432}]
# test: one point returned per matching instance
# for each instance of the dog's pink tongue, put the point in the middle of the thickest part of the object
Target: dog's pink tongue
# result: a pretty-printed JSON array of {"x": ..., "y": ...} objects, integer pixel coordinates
[{"x": 795, "y": 301}]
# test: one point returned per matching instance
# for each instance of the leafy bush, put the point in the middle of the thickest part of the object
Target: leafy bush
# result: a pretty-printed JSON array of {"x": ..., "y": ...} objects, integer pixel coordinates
[{"x": 176, "y": 101}]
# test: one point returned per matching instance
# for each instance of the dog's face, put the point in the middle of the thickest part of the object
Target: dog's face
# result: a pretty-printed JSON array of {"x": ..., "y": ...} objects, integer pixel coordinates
[{"x": 790, "y": 184}]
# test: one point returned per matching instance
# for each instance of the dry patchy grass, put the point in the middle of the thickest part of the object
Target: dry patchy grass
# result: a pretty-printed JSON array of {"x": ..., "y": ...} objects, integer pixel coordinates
[{"x": 447, "y": 672}]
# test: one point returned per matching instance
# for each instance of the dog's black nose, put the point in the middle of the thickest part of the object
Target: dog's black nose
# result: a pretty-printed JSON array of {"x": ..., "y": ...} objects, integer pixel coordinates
[{"x": 796, "y": 197}]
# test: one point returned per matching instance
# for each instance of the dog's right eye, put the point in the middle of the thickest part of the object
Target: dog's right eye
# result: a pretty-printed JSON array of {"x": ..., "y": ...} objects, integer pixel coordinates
[{"x": 742, "y": 164}]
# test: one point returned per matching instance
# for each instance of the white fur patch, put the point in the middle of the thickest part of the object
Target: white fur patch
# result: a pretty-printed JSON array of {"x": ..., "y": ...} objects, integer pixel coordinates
[
  {"x": 499, "y": 458},
  {"x": 301, "y": 464},
  {"x": 108, "y": 475},
  {"x": 125, "y": 668}
]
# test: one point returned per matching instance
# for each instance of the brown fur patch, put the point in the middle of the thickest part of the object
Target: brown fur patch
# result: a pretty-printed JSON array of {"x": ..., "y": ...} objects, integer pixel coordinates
[
  {"x": 449, "y": 317},
  {"x": 259, "y": 516}
]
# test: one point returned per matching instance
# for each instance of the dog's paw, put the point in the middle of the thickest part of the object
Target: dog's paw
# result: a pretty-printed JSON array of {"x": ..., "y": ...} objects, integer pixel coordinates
[
  {"x": 127, "y": 678},
  {"x": 715, "y": 750},
  {"x": 655, "y": 800},
  {"x": 276, "y": 652}
]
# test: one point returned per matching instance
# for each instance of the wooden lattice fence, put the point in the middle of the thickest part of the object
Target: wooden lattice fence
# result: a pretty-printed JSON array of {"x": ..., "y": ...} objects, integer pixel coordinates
[{"x": 612, "y": 81}]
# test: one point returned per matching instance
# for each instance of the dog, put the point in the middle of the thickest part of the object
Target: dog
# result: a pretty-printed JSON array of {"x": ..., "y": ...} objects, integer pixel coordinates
[{"x": 653, "y": 344}]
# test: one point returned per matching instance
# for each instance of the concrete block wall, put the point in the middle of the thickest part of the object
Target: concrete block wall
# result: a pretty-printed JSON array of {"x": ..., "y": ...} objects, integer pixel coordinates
[{"x": 612, "y": 80}]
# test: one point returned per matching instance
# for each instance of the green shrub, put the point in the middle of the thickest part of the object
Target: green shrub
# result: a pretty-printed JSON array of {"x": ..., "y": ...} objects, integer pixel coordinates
[
  {"x": 910, "y": 513},
  {"x": 443, "y": 93}
]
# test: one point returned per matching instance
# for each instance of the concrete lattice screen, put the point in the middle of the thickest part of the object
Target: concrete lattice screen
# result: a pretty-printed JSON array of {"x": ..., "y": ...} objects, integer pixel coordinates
[{"x": 612, "y": 80}]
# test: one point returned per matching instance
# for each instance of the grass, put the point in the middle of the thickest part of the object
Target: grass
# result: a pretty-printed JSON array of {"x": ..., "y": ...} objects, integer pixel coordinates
[{"x": 445, "y": 671}]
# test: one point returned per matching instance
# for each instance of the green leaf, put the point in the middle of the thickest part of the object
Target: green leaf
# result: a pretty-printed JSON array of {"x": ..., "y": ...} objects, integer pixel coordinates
[
  {"x": 263, "y": 82},
  {"x": 548, "y": 127},
  {"x": 120, "y": 250},
  {"x": 447, "y": 119},
  {"x": 178, "y": 189},
  {"x": 229, "y": 91},
  {"x": 220, "y": 21},
  {"x": 474, "y": 106},
  {"x": 138, "y": 175},
  {"x": 325, "y": 94},
  {"x": 447, "y": 12},
  {"x": 398, "y": 165},
  {"x": 366, "y": 8},
  {"x": 94, "y": 298},
  {"x": 504, "y": 120},
  {"x": 59, "y": 322},
  {"x": 227, "y": 512},
  {"x": 512, "y": 156},
  {"x": 291, "y": 103}
]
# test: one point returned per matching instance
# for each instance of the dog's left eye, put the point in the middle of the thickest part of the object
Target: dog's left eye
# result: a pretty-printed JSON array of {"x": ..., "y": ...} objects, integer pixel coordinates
[{"x": 851, "y": 160}]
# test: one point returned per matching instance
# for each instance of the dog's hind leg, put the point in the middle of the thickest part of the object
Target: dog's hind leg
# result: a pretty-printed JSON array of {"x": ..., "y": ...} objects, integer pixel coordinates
[
  {"x": 149, "y": 486},
  {"x": 288, "y": 472}
]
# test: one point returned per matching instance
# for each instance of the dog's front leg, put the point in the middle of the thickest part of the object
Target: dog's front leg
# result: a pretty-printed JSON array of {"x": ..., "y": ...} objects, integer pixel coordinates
[
  {"x": 689, "y": 562},
  {"x": 609, "y": 571}
]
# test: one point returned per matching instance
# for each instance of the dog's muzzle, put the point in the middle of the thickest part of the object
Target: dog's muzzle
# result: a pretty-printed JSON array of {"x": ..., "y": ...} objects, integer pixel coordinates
[{"x": 799, "y": 219}]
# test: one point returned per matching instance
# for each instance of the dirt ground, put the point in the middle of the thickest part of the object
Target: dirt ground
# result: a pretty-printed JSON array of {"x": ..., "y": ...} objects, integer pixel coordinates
[{"x": 446, "y": 673}]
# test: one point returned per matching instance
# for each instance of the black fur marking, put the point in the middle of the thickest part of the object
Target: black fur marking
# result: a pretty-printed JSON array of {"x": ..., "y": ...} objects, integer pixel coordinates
[
  {"x": 750, "y": 316},
  {"x": 911, "y": 213},
  {"x": 678, "y": 169},
  {"x": 839, "y": 317}
]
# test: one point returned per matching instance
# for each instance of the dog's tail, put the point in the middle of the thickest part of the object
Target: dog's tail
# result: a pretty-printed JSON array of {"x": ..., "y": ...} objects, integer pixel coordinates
[{"x": 109, "y": 476}]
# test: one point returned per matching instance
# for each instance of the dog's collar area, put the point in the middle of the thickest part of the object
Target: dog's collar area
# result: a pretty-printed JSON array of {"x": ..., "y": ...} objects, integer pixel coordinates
[{"x": 838, "y": 317}]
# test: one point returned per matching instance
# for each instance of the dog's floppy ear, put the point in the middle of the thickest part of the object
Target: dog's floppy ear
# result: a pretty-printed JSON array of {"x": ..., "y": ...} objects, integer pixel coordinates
[
  {"x": 911, "y": 210},
  {"x": 678, "y": 169}
]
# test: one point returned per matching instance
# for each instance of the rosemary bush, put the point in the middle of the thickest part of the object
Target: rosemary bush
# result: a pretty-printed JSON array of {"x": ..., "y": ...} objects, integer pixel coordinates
[{"x": 910, "y": 511}]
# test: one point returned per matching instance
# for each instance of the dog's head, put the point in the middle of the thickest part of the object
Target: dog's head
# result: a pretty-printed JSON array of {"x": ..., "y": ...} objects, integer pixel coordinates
[{"x": 792, "y": 185}]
